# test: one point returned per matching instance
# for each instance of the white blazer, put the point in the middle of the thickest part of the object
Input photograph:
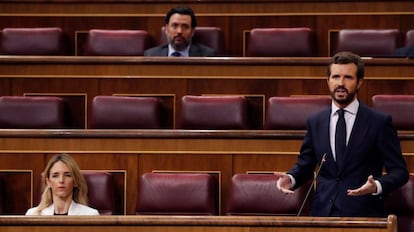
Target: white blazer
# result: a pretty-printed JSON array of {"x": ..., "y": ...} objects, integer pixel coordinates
[{"x": 74, "y": 209}]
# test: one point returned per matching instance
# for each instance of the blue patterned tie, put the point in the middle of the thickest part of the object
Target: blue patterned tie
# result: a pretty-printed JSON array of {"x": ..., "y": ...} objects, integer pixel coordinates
[
  {"x": 176, "y": 54},
  {"x": 340, "y": 137}
]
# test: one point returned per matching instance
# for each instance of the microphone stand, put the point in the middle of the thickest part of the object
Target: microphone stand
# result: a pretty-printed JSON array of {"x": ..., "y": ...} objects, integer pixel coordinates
[{"x": 313, "y": 183}]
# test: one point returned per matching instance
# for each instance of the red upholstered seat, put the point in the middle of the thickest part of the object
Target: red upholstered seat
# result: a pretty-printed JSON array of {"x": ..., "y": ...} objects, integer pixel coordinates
[
  {"x": 101, "y": 194},
  {"x": 289, "y": 42},
  {"x": 369, "y": 42},
  {"x": 401, "y": 203},
  {"x": 116, "y": 42},
  {"x": 212, "y": 37},
  {"x": 409, "y": 38},
  {"x": 177, "y": 194},
  {"x": 34, "y": 112},
  {"x": 214, "y": 112},
  {"x": 101, "y": 191},
  {"x": 119, "y": 112},
  {"x": 32, "y": 41},
  {"x": 2, "y": 197},
  {"x": 291, "y": 113},
  {"x": 400, "y": 107},
  {"x": 256, "y": 194}
]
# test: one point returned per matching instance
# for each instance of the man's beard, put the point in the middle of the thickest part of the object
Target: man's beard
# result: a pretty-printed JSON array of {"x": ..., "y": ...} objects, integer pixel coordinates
[
  {"x": 180, "y": 46},
  {"x": 348, "y": 99}
]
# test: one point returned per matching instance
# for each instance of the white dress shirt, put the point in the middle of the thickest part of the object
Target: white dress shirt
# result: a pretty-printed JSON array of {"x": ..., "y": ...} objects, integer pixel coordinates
[
  {"x": 183, "y": 53},
  {"x": 350, "y": 115}
]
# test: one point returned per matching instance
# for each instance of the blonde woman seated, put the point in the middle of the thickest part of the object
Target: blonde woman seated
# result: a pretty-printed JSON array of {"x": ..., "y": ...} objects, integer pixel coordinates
[{"x": 64, "y": 189}]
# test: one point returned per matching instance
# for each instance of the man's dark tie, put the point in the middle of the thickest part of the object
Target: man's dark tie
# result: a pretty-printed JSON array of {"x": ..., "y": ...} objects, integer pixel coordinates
[
  {"x": 175, "y": 54},
  {"x": 340, "y": 137}
]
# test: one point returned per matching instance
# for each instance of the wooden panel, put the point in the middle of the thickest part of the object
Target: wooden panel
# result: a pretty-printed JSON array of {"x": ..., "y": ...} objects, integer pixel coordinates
[
  {"x": 197, "y": 224},
  {"x": 17, "y": 190},
  {"x": 192, "y": 162},
  {"x": 163, "y": 77},
  {"x": 134, "y": 152}
]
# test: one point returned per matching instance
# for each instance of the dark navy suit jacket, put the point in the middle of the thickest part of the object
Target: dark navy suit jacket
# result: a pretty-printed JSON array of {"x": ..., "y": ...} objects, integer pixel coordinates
[
  {"x": 197, "y": 50},
  {"x": 373, "y": 144},
  {"x": 405, "y": 51}
]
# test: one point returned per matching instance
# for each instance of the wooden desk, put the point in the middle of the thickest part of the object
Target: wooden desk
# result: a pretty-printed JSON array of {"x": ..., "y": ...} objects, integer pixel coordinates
[
  {"x": 195, "y": 224},
  {"x": 81, "y": 78}
]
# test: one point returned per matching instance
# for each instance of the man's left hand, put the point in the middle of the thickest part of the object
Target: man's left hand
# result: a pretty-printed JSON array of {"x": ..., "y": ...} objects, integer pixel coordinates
[{"x": 368, "y": 188}]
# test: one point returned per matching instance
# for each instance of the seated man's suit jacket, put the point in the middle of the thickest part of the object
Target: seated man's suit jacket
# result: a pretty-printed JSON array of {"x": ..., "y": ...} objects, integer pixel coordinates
[
  {"x": 196, "y": 50},
  {"x": 405, "y": 51}
]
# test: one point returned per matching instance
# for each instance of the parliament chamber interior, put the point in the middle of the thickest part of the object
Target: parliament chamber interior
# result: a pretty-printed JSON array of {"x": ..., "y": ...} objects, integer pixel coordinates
[{"x": 73, "y": 79}]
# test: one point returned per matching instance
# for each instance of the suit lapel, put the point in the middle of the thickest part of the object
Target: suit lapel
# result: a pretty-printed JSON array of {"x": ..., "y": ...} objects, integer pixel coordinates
[
  {"x": 194, "y": 50},
  {"x": 324, "y": 138}
]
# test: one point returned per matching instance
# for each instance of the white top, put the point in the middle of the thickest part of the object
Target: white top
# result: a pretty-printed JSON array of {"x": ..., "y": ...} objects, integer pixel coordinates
[{"x": 74, "y": 209}]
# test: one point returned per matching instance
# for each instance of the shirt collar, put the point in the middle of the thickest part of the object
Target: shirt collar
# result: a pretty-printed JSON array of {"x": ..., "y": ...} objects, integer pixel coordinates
[
  {"x": 184, "y": 53},
  {"x": 351, "y": 108}
]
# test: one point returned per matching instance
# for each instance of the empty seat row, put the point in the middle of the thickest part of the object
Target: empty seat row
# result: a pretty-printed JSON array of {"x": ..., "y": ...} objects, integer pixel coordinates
[
  {"x": 261, "y": 42},
  {"x": 250, "y": 194},
  {"x": 197, "y": 112},
  {"x": 99, "y": 42}
]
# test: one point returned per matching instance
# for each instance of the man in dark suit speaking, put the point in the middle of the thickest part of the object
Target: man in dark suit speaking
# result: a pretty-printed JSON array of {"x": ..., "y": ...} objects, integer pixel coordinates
[
  {"x": 179, "y": 27},
  {"x": 363, "y": 160}
]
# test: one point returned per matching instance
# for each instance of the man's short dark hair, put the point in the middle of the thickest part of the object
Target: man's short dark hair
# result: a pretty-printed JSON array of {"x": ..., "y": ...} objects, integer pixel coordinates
[
  {"x": 184, "y": 11},
  {"x": 347, "y": 58}
]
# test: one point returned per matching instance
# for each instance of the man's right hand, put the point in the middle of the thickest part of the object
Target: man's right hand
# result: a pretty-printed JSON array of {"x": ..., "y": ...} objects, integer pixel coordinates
[{"x": 284, "y": 183}]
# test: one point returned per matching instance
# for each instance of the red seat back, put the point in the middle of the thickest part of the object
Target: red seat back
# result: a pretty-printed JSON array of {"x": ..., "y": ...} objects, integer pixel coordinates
[
  {"x": 212, "y": 37},
  {"x": 369, "y": 42},
  {"x": 116, "y": 42},
  {"x": 256, "y": 194},
  {"x": 119, "y": 112},
  {"x": 214, "y": 112},
  {"x": 409, "y": 38},
  {"x": 291, "y": 113},
  {"x": 177, "y": 194},
  {"x": 101, "y": 191},
  {"x": 34, "y": 112},
  {"x": 32, "y": 41},
  {"x": 400, "y": 107},
  {"x": 278, "y": 42},
  {"x": 401, "y": 203}
]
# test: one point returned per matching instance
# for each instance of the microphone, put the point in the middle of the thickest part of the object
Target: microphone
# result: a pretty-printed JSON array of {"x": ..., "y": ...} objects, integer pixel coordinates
[{"x": 313, "y": 183}]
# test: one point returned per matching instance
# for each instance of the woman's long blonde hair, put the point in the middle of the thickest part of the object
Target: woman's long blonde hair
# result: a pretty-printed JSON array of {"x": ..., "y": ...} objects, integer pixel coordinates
[{"x": 80, "y": 189}]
